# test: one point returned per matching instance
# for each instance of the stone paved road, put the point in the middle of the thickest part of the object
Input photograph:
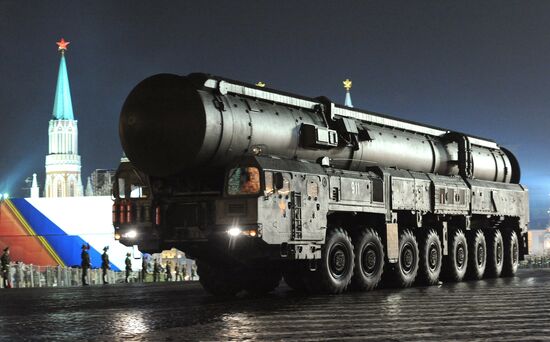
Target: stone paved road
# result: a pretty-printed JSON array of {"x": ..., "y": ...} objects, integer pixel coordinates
[{"x": 515, "y": 309}]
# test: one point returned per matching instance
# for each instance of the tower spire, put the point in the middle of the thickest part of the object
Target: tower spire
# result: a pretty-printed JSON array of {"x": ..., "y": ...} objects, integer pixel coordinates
[
  {"x": 63, "y": 161},
  {"x": 35, "y": 190},
  {"x": 347, "y": 85},
  {"x": 63, "y": 106}
]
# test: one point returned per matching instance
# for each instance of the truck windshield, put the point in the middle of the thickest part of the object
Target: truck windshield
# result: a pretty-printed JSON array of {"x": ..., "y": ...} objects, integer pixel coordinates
[
  {"x": 129, "y": 183},
  {"x": 243, "y": 181},
  {"x": 125, "y": 189}
]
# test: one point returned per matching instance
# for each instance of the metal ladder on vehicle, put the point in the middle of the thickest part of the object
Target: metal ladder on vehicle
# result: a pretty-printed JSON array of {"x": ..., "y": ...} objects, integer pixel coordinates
[{"x": 296, "y": 201}]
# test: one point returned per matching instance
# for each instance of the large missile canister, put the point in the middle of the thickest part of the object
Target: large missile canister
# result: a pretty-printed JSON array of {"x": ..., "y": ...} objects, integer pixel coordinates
[{"x": 171, "y": 124}]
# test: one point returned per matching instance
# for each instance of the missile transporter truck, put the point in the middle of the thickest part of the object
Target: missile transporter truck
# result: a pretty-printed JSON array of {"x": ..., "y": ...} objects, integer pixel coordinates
[{"x": 259, "y": 185}]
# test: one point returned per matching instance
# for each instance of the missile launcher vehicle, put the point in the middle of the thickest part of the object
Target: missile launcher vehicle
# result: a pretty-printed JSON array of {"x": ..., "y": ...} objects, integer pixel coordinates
[{"x": 259, "y": 185}]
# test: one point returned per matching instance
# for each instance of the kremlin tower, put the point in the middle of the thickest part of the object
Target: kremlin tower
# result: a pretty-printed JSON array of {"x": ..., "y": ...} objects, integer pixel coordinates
[
  {"x": 63, "y": 162},
  {"x": 347, "y": 85}
]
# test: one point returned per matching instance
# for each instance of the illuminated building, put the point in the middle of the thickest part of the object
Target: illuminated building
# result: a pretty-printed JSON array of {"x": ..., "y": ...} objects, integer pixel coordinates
[
  {"x": 100, "y": 183},
  {"x": 63, "y": 161}
]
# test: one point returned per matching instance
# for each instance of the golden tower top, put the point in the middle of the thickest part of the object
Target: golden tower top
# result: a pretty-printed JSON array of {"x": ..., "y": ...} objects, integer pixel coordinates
[{"x": 347, "y": 84}]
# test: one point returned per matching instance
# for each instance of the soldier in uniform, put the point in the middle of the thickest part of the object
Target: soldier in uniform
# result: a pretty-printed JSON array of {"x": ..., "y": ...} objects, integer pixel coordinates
[
  {"x": 193, "y": 271},
  {"x": 252, "y": 181},
  {"x": 5, "y": 265},
  {"x": 156, "y": 271},
  {"x": 86, "y": 264},
  {"x": 128, "y": 263},
  {"x": 177, "y": 270},
  {"x": 168, "y": 271},
  {"x": 143, "y": 268},
  {"x": 105, "y": 264}
]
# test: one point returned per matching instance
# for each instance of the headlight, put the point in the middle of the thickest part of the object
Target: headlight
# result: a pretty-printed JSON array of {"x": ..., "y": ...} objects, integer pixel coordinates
[
  {"x": 130, "y": 235},
  {"x": 235, "y": 231}
]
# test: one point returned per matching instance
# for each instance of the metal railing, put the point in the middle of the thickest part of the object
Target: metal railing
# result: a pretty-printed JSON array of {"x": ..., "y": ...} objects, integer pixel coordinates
[
  {"x": 535, "y": 262},
  {"x": 25, "y": 276}
]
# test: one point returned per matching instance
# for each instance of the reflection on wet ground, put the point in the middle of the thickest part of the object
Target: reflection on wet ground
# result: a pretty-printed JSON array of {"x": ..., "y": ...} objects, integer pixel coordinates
[{"x": 495, "y": 309}]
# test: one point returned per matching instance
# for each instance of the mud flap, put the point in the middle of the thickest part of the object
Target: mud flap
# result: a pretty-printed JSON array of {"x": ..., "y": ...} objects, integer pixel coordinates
[
  {"x": 392, "y": 242},
  {"x": 445, "y": 239}
]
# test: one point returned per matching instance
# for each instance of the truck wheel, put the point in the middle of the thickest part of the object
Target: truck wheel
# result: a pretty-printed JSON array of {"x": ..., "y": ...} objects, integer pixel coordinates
[
  {"x": 457, "y": 260},
  {"x": 405, "y": 270},
  {"x": 369, "y": 260},
  {"x": 219, "y": 280},
  {"x": 261, "y": 281},
  {"x": 477, "y": 255},
  {"x": 511, "y": 254},
  {"x": 336, "y": 266},
  {"x": 495, "y": 253},
  {"x": 430, "y": 259}
]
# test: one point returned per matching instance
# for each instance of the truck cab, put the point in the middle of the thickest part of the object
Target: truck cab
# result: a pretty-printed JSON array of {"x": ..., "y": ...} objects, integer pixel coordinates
[
  {"x": 134, "y": 216},
  {"x": 265, "y": 203},
  {"x": 280, "y": 202}
]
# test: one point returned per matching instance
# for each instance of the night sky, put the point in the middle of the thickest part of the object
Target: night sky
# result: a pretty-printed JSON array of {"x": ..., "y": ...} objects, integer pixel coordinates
[{"x": 481, "y": 67}]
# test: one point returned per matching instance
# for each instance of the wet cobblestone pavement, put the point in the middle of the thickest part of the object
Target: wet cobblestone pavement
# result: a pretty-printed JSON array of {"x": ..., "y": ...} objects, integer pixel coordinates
[{"x": 514, "y": 309}]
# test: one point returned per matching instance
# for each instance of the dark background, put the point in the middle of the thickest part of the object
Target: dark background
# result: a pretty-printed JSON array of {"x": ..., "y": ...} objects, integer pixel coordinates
[{"x": 479, "y": 67}]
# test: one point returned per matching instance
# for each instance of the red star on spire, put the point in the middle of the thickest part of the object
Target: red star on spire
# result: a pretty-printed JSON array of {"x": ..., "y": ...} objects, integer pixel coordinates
[{"x": 62, "y": 45}]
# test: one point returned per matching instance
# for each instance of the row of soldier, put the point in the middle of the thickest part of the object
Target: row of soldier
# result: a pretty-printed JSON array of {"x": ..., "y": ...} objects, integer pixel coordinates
[
  {"x": 180, "y": 272},
  {"x": 86, "y": 264}
]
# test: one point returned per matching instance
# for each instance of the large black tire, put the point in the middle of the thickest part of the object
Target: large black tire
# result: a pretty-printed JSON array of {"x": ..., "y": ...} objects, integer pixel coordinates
[
  {"x": 511, "y": 254},
  {"x": 336, "y": 266},
  {"x": 495, "y": 253},
  {"x": 456, "y": 263},
  {"x": 477, "y": 255},
  {"x": 430, "y": 259},
  {"x": 369, "y": 260},
  {"x": 219, "y": 280},
  {"x": 404, "y": 272},
  {"x": 261, "y": 281}
]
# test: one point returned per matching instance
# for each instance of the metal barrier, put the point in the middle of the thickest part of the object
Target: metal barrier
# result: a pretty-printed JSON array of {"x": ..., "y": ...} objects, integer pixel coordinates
[
  {"x": 22, "y": 275},
  {"x": 535, "y": 262}
]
